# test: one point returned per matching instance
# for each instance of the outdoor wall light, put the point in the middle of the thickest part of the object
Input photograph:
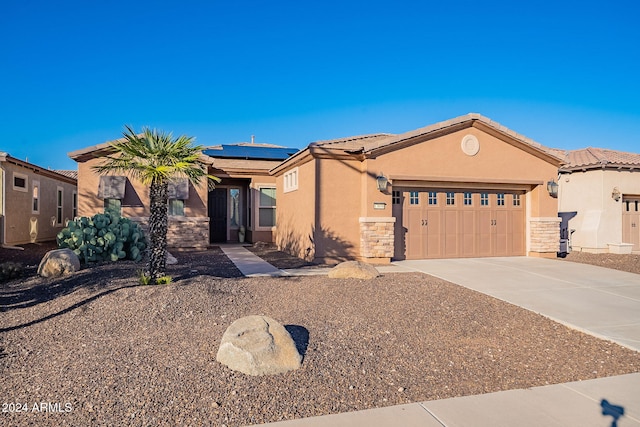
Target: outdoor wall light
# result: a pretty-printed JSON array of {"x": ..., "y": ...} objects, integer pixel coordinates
[
  {"x": 382, "y": 182},
  {"x": 615, "y": 194},
  {"x": 552, "y": 188}
]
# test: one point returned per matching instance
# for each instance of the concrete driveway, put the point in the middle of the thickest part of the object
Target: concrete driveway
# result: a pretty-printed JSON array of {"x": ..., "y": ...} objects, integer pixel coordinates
[{"x": 596, "y": 300}]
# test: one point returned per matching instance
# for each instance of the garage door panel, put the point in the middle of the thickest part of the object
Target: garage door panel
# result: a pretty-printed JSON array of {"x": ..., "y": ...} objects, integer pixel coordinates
[
  {"x": 631, "y": 222},
  {"x": 475, "y": 223},
  {"x": 451, "y": 235},
  {"x": 468, "y": 232},
  {"x": 433, "y": 242},
  {"x": 501, "y": 230},
  {"x": 484, "y": 244},
  {"x": 414, "y": 233}
]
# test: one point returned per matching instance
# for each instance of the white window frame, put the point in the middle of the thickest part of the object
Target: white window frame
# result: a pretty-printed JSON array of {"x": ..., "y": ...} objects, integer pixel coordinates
[
  {"x": 59, "y": 206},
  {"x": 291, "y": 180},
  {"x": 259, "y": 206},
  {"x": 432, "y": 198},
  {"x": 450, "y": 198},
  {"x": 516, "y": 199},
  {"x": 414, "y": 198},
  {"x": 26, "y": 182},
  {"x": 35, "y": 188}
]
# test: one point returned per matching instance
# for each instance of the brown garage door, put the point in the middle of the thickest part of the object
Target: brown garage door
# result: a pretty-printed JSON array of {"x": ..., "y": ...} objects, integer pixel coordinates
[
  {"x": 446, "y": 223},
  {"x": 631, "y": 221}
]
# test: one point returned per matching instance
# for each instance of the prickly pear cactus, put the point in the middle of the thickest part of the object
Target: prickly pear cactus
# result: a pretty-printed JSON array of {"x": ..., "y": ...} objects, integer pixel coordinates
[{"x": 103, "y": 237}]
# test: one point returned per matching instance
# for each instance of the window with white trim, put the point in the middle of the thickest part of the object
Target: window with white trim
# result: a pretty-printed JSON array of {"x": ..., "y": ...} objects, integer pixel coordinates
[
  {"x": 59, "y": 205},
  {"x": 500, "y": 199},
  {"x": 433, "y": 198},
  {"x": 20, "y": 182},
  {"x": 451, "y": 198},
  {"x": 267, "y": 207},
  {"x": 467, "y": 199},
  {"x": 291, "y": 180},
  {"x": 516, "y": 200},
  {"x": 35, "y": 197},
  {"x": 414, "y": 198},
  {"x": 484, "y": 199}
]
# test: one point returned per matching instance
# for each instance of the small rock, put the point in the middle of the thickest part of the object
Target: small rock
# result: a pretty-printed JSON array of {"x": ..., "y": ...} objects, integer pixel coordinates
[
  {"x": 353, "y": 270},
  {"x": 59, "y": 262},
  {"x": 171, "y": 260}
]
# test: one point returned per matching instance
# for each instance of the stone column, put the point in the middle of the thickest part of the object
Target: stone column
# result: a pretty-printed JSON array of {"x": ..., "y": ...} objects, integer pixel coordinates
[
  {"x": 376, "y": 239},
  {"x": 545, "y": 237}
]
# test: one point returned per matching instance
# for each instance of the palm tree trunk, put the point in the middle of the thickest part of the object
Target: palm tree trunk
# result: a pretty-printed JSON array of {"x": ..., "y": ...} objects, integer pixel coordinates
[{"x": 158, "y": 223}]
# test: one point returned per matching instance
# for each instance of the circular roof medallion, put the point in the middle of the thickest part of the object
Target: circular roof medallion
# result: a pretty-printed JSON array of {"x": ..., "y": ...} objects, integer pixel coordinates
[{"x": 470, "y": 145}]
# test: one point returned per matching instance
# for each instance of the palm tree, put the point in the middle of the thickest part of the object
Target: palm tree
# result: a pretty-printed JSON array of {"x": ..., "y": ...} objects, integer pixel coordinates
[{"x": 156, "y": 158}]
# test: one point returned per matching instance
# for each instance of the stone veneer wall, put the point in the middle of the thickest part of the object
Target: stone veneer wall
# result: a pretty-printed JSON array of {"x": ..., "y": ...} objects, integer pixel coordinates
[
  {"x": 545, "y": 235},
  {"x": 183, "y": 232},
  {"x": 376, "y": 237}
]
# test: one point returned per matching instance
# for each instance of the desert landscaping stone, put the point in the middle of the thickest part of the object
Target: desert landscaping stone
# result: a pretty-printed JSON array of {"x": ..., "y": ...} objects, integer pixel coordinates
[
  {"x": 258, "y": 345},
  {"x": 171, "y": 260},
  {"x": 59, "y": 262},
  {"x": 353, "y": 270}
]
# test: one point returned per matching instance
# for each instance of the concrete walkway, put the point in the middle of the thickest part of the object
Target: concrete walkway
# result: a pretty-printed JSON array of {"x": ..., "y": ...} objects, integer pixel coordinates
[
  {"x": 249, "y": 264},
  {"x": 596, "y": 300}
]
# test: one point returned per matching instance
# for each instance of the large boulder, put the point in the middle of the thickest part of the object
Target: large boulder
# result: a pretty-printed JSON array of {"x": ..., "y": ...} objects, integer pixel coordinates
[
  {"x": 258, "y": 345},
  {"x": 353, "y": 270},
  {"x": 59, "y": 262}
]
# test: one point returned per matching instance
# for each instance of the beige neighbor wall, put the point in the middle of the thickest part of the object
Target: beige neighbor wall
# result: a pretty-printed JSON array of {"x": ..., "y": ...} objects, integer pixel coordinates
[
  {"x": 498, "y": 164},
  {"x": 598, "y": 222},
  {"x": 190, "y": 231},
  {"x": 20, "y": 219}
]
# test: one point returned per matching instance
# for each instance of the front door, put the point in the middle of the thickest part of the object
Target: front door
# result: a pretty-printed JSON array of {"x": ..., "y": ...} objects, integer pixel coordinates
[{"x": 218, "y": 215}]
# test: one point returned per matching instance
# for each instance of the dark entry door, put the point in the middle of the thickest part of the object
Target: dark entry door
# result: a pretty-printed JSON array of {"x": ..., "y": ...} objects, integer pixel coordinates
[{"x": 218, "y": 215}]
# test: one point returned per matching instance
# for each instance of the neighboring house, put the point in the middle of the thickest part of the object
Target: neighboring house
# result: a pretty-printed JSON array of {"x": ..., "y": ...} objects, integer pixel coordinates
[
  {"x": 35, "y": 203},
  {"x": 197, "y": 216},
  {"x": 466, "y": 187},
  {"x": 603, "y": 187}
]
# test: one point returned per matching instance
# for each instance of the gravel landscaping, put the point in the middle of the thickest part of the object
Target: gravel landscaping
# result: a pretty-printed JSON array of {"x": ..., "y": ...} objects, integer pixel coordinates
[{"x": 97, "y": 349}]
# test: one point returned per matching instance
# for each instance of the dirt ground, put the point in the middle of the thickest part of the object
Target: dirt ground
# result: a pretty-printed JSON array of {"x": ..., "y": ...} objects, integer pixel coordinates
[{"x": 102, "y": 350}]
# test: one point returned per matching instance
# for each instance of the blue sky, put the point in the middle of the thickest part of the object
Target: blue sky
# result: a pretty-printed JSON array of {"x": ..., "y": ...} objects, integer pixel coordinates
[{"x": 74, "y": 73}]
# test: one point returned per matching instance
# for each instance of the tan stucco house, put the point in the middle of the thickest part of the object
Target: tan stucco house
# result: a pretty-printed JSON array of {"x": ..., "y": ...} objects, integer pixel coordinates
[
  {"x": 466, "y": 187},
  {"x": 35, "y": 202},
  {"x": 603, "y": 187},
  {"x": 198, "y": 216}
]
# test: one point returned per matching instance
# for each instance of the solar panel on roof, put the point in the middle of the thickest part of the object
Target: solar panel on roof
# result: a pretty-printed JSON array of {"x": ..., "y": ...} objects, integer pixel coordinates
[{"x": 249, "y": 152}]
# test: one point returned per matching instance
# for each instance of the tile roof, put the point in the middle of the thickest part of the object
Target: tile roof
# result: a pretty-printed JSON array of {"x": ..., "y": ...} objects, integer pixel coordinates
[
  {"x": 68, "y": 174},
  {"x": 352, "y": 142},
  {"x": 368, "y": 143},
  {"x": 591, "y": 158}
]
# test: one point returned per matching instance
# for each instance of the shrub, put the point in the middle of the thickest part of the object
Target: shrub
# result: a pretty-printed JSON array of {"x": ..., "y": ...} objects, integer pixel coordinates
[
  {"x": 103, "y": 237},
  {"x": 10, "y": 270}
]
